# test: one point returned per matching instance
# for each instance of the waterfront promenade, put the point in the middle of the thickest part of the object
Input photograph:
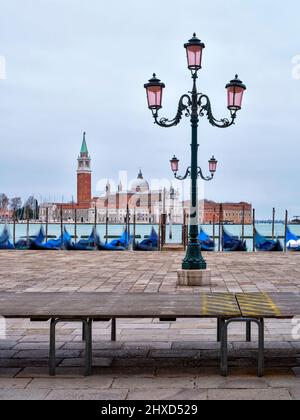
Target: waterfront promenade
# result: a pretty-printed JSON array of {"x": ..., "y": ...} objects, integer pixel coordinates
[{"x": 150, "y": 359}]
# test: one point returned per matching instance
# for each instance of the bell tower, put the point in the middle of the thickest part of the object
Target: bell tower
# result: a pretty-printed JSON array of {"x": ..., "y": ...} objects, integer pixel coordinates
[{"x": 84, "y": 175}]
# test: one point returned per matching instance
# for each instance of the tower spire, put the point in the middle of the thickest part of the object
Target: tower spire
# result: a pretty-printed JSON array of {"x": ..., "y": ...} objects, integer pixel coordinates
[{"x": 84, "y": 150}]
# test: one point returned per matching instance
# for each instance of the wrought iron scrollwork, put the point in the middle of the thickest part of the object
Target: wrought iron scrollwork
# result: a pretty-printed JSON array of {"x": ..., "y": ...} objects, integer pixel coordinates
[
  {"x": 205, "y": 108},
  {"x": 184, "y": 105},
  {"x": 188, "y": 173},
  {"x": 182, "y": 178},
  {"x": 205, "y": 178}
]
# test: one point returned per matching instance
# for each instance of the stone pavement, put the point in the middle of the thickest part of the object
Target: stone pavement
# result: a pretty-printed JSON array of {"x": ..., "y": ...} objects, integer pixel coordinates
[{"x": 150, "y": 359}]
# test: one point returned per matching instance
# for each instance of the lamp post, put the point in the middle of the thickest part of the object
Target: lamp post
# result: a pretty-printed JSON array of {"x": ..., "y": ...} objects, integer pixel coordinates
[{"x": 194, "y": 105}]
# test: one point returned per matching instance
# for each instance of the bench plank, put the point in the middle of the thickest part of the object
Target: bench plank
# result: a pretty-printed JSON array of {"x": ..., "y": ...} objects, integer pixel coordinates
[
  {"x": 269, "y": 305},
  {"x": 118, "y": 305}
]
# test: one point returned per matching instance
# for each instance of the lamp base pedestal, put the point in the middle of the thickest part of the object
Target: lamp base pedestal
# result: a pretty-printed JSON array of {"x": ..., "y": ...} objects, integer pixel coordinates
[{"x": 194, "y": 278}]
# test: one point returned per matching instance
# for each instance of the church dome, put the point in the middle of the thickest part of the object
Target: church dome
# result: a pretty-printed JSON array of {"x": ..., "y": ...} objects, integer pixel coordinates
[{"x": 139, "y": 184}]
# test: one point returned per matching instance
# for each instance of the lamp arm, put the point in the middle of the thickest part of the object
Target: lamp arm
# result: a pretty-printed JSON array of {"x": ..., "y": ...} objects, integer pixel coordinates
[
  {"x": 182, "y": 178},
  {"x": 183, "y": 106},
  {"x": 205, "y": 108},
  {"x": 205, "y": 178}
]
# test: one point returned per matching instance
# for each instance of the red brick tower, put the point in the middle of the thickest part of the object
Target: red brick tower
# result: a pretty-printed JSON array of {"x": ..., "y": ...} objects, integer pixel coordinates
[{"x": 84, "y": 176}]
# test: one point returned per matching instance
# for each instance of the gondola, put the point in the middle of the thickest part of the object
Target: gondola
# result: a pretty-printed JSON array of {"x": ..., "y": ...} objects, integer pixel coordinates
[
  {"x": 149, "y": 244},
  {"x": 292, "y": 241},
  {"x": 206, "y": 243},
  {"x": 232, "y": 243},
  {"x": 5, "y": 242},
  {"x": 38, "y": 240},
  {"x": 120, "y": 244},
  {"x": 264, "y": 244},
  {"x": 52, "y": 244},
  {"x": 88, "y": 244}
]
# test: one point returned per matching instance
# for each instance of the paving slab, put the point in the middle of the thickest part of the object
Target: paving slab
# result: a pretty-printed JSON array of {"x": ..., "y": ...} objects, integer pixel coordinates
[
  {"x": 249, "y": 394},
  {"x": 87, "y": 394},
  {"x": 168, "y": 394},
  {"x": 140, "y": 363}
]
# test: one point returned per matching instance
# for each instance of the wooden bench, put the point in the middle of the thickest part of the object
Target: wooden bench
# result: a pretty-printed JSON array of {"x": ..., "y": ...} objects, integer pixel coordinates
[{"x": 90, "y": 307}]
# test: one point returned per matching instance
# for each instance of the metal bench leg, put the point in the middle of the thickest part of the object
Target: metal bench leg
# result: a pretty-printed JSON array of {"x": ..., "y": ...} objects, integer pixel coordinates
[
  {"x": 224, "y": 343},
  {"x": 224, "y": 347},
  {"x": 52, "y": 357},
  {"x": 261, "y": 347},
  {"x": 113, "y": 329},
  {"x": 83, "y": 331},
  {"x": 88, "y": 346},
  {"x": 248, "y": 332}
]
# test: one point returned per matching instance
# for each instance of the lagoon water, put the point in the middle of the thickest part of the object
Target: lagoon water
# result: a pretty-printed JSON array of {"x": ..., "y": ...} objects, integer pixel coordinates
[{"x": 142, "y": 229}]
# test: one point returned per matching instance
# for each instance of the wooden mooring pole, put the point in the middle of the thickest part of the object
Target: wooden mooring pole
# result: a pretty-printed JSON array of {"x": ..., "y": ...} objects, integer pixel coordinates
[
  {"x": 285, "y": 229},
  {"x": 273, "y": 224},
  {"x": 253, "y": 230},
  {"x": 75, "y": 225},
  {"x": 243, "y": 224},
  {"x": 47, "y": 222},
  {"x": 27, "y": 228},
  {"x": 134, "y": 228},
  {"x": 14, "y": 229},
  {"x": 106, "y": 226},
  {"x": 61, "y": 227},
  {"x": 214, "y": 226}
]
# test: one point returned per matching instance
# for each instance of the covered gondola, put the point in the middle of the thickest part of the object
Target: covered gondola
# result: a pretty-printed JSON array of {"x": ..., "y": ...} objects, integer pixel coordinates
[
  {"x": 292, "y": 241},
  {"x": 52, "y": 244},
  {"x": 148, "y": 244},
  {"x": 232, "y": 243},
  {"x": 88, "y": 244},
  {"x": 206, "y": 243},
  {"x": 264, "y": 244},
  {"x": 5, "y": 239},
  {"x": 120, "y": 244}
]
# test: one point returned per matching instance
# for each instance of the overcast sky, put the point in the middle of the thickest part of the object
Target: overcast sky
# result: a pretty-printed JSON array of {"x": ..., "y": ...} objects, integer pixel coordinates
[{"x": 74, "y": 65}]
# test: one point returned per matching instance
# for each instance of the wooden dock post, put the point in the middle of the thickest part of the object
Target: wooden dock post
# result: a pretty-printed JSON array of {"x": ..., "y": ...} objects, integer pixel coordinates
[
  {"x": 285, "y": 229},
  {"x": 159, "y": 233},
  {"x": 95, "y": 218},
  {"x": 27, "y": 227},
  {"x": 14, "y": 229},
  {"x": 106, "y": 226},
  {"x": 128, "y": 222},
  {"x": 134, "y": 228},
  {"x": 47, "y": 221},
  {"x": 243, "y": 223},
  {"x": 253, "y": 230},
  {"x": 61, "y": 227},
  {"x": 273, "y": 224},
  {"x": 214, "y": 225},
  {"x": 220, "y": 243},
  {"x": 75, "y": 225}
]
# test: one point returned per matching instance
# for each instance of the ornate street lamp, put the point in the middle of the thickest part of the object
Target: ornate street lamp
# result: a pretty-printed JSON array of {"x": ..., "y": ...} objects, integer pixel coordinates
[
  {"x": 154, "y": 93},
  {"x": 194, "y": 105}
]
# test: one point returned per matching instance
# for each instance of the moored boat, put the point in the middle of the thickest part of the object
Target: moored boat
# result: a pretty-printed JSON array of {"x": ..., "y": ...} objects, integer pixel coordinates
[
  {"x": 264, "y": 244},
  {"x": 232, "y": 243},
  {"x": 148, "y": 244},
  {"x": 5, "y": 239},
  {"x": 206, "y": 243},
  {"x": 292, "y": 241}
]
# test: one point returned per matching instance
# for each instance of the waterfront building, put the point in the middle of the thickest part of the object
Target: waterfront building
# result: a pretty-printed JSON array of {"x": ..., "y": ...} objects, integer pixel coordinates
[{"x": 138, "y": 199}]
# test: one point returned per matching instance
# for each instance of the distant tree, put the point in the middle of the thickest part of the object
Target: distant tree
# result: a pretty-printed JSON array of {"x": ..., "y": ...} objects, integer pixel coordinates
[
  {"x": 31, "y": 208},
  {"x": 15, "y": 205},
  {"x": 3, "y": 201}
]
